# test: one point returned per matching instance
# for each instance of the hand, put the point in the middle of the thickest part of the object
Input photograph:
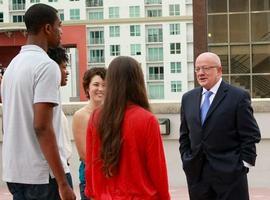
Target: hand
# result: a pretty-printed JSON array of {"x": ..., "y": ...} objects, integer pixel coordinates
[{"x": 66, "y": 193}]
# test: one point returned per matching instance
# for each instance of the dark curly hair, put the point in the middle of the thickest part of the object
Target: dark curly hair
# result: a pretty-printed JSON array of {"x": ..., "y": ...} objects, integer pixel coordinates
[{"x": 58, "y": 54}]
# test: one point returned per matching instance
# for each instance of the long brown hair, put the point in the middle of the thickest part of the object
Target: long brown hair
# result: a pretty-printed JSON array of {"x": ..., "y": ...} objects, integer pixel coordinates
[{"x": 124, "y": 83}]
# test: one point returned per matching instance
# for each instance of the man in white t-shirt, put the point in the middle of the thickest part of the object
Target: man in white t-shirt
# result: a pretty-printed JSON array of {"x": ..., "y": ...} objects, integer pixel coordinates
[{"x": 34, "y": 163}]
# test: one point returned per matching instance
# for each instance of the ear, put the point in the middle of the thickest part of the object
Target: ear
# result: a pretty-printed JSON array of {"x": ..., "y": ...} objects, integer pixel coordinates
[
  {"x": 48, "y": 29},
  {"x": 220, "y": 70}
]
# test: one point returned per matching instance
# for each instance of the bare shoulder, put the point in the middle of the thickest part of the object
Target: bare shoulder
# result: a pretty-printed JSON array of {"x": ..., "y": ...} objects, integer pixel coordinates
[{"x": 82, "y": 112}]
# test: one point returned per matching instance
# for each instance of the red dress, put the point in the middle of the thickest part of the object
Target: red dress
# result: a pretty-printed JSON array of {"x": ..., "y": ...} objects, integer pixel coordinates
[{"x": 142, "y": 173}]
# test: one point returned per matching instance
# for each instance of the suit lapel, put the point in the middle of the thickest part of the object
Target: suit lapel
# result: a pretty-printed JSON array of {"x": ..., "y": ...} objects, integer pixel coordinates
[{"x": 221, "y": 93}]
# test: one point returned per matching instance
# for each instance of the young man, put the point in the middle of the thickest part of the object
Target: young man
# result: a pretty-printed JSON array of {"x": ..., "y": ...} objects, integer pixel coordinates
[
  {"x": 218, "y": 134},
  {"x": 60, "y": 56},
  {"x": 34, "y": 165}
]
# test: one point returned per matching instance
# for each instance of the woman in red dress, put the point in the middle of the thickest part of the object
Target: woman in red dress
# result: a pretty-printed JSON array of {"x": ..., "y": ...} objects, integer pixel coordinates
[{"x": 124, "y": 151}]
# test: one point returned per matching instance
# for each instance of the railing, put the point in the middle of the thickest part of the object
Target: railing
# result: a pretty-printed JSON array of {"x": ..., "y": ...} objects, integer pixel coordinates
[
  {"x": 94, "y": 3},
  {"x": 238, "y": 64},
  {"x": 96, "y": 41},
  {"x": 260, "y": 86},
  {"x": 155, "y": 38},
  {"x": 265, "y": 37},
  {"x": 97, "y": 60},
  {"x": 18, "y": 6},
  {"x": 153, "y": 2},
  {"x": 155, "y": 76}
]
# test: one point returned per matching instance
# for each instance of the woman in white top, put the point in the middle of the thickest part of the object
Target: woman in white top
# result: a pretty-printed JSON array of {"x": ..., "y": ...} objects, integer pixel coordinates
[{"x": 94, "y": 85}]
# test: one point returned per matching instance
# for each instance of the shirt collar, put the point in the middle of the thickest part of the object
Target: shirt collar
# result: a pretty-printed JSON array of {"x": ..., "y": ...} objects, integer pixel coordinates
[
  {"x": 214, "y": 89},
  {"x": 32, "y": 47}
]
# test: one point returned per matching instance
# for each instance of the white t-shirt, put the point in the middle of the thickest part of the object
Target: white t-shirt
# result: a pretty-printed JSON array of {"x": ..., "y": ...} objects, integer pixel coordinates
[
  {"x": 30, "y": 78},
  {"x": 66, "y": 136}
]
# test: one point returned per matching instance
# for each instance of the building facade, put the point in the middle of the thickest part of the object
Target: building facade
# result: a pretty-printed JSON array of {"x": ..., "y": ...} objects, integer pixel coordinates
[
  {"x": 239, "y": 32},
  {"x": 157, "y": 33}
]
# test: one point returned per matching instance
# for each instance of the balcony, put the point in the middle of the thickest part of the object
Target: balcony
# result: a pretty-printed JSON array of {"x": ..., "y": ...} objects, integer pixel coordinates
[
  {"x": 94, "y": 3},
  {"x": 17, "y": 6},
  {"x": 153, "y": 2},
  {"x": 94, "y": 41},
  {"x": 97, "y": 60},
  {"x": 154, "y": 77}
]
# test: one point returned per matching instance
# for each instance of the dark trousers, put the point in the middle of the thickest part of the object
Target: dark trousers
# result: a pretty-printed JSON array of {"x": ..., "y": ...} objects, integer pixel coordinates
[
  {"x": 211, "y": 187},
  {"x": 48, "y": 191}
]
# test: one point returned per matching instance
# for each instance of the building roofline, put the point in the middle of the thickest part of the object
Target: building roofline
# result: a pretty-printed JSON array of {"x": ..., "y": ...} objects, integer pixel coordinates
[{"x": 12, "y": 27}]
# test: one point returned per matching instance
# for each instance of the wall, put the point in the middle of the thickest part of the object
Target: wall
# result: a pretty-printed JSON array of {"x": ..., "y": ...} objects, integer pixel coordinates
[{"x": 257, "y": 176}]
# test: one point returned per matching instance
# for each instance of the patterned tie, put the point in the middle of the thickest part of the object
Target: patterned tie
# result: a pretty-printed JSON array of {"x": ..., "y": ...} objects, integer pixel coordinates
[{"x": 205, "y": 106}]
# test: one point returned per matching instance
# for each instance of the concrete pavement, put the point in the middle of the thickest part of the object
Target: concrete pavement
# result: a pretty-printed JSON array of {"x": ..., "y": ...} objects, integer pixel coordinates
[{"x": 177, "y": 193}]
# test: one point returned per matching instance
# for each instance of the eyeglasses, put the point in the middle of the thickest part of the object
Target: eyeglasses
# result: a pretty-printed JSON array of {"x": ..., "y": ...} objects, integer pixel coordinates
[{"x": 204, "y": 68}]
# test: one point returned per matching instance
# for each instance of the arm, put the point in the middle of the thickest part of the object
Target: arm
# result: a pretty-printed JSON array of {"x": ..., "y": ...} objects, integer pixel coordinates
[
  {"x": 79, "y": 126},
  {"x": 43, "y": 116},
  {"x": 156, "y": 165},
  {"x": 248, "y": 130}
]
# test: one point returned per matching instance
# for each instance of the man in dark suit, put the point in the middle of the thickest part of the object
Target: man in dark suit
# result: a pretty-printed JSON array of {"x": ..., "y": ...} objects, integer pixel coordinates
[{"x": 218, "y": 133}]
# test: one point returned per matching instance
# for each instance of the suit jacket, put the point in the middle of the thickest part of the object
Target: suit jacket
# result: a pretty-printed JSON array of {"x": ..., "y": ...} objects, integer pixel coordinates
[{"x": 226, "y": 138}]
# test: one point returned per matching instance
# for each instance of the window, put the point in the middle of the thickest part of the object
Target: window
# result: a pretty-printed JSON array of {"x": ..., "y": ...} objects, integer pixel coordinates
[
  {"x": 74, "y": 14},
  {"x": 95, "y": 15},
  {"x": 1, "y": 17},
  {"x": 113, "y": 12},
  {"x": 175, "y": 48},
  {"x": 259, "y": 5},
  {"x": 61, "y": 15},
  {"x": 154, "y": 35},
  {"x": 18, "y": 4},
  {"x": 175, "y": 67},
  {"x": 239, "y": 25},
  {"x": 134, "y": 11},
  {"x": 176, "y": 86},
  {"x": 34, "y": 1},
  {"x": 174, "y": 29},
  {"x": 115, "y": 50},
  {"x": 243, "y": 44},
  {"x": 74, "y": 0},
  {"x": 1, "y": 1},
  {"x": 135, "y": 30},
  {"x": 155, "y": 54},
  {"x": 52, "y": 0},
  {"x": 156, "y": 90},
  {"x": 135, "y": 49},
  {"x": 174, "y": 10},
  {"x": 94, "y": 3},
  {"x": 96, "y": 37},
  {"x": 259, "y": 30},
  {"x": 153, "y": 2},
  {"x": 97, "y": 56},
  {"x": 18, "y": 18},
  {"x": 154, "y": 13},
  {"x": 114, "y": 31},
  {"x": 217, "y": 28},
  {"x": 155, "y": 73}
]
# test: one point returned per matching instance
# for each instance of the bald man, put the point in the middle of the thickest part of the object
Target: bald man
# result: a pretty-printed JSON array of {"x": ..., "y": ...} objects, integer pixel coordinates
[{"x": 218, "y": 134}]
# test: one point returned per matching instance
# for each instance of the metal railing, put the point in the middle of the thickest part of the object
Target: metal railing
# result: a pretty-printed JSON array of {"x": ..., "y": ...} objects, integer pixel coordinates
[{"x": 18, "y": 6}]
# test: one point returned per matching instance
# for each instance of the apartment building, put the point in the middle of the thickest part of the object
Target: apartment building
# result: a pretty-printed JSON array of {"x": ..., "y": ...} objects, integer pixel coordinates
[{"x": 157, "y": 33}]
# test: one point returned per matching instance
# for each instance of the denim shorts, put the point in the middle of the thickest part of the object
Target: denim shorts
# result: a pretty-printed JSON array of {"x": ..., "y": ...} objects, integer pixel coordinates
[
  {"x": 82, "y": 188},
  {"x": 48, "y": 191}
]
